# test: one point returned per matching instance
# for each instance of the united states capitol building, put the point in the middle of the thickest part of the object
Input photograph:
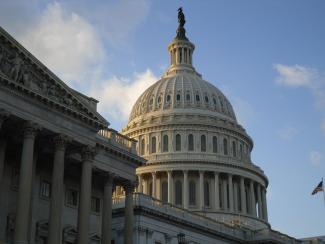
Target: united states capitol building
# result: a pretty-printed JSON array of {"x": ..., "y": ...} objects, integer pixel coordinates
[{"x": 179, "y": 172}]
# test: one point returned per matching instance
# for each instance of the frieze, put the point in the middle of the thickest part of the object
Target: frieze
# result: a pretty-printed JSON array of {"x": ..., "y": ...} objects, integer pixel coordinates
[{"x": 17, "y": 65}]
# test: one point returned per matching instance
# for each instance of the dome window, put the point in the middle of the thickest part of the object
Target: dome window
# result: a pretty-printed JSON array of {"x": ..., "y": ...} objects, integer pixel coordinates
[
  {"x": 153, "y": 144},
  {"x": 214, "y": 101},
  {"x": 206, "y": 99},
  {"x": 168, "y": 98},
  {"x": 225, "y": 146},
  {"x": 178, "y": 97},
  {"x": 203, "y": 143},
  {"x": 190, "y": 142},
  {"x": 178, "y": 142},
  {"x": 165, "y": 143},
  {"x": 197, "y": 98},
  {"x": 159, "y": 99},
  {"x": 188, "y": 97},
  {"x": 234, "y": 149},
  {"x": 215, "y": 144}
]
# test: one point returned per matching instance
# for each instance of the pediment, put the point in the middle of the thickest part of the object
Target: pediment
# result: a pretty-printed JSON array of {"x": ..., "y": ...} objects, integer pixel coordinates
[{"x": 21, "y": 71}]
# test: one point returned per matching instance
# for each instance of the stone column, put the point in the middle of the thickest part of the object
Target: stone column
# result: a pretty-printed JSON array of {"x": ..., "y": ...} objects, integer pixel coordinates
[
  {"x": 3, "y": 146},
  {"x": 170, "y": 186},
  {"x": 264, "y": 204},
  {"x": 259, "y": 200},
  {"x": 154, "y": 180},
  {"x": 225, "y": 195},
  {"x": 185, "y": 189},
  {"x": 57, "y": 190},
  {"x": 243, "y": 196},
  {"x": 216, "y": 191},
  {"x": 128, "y": 217},
  {"x": 201, "y": 191},
  {"x": 87, "y": 156},
  {"x": 4, "y": 114},
  {"x": 140, "y": 186},
  {"x": 252, "y": 201},
  {"x": 235, "y": 197},
  {"x": 231, "y": 193},
  {"x": 25, "y": 184},
  {"x": 107, "y": 210}
]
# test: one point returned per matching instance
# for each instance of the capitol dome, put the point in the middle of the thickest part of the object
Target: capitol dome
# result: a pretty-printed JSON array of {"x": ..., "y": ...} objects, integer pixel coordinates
[{"x": 198, "y": 155}]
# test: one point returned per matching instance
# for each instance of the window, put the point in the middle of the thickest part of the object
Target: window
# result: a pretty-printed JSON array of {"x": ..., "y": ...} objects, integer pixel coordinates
[
  {"x": 72, "y": 197},
  {"x": 215, "y": 144},
  {"x": 153, "y": 144},
  {"x": 178, "y": 192},
  {"x": 142, "y": 146},
  {"x": 234, "y": 149},
  {"x": 206, "y": 99},
  {"x": 159, "y": 99},
  {"x": 164, "y": 191},
  {"x": 190, "y": 142},
  {"x": 197, "y": 98},
  {"x": 165, "y": 143},
  {"x": 203, "y": 143},
  {"x": 225, "y": 146},
  {"x": 95, "y": 204},
  {"x": 178, "y": 97},
  {"x": 168, "y": 98},
  {"x": 45, "y": 189},
  {"x": 188, "y": 97},
  {"x": 178, "y": 142},
  {"x": 192, "y": 192},
  {"x": 241, "y": 151},
  {"x": 206, "y": 194},
  {"x": 214, "y": 101}
]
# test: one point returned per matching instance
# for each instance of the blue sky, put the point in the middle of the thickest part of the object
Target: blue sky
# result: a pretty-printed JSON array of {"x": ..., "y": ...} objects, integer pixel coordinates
[{"x": 266, "y": 56}]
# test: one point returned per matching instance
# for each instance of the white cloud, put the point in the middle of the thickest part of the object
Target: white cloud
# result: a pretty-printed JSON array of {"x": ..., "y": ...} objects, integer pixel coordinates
[
  {"x": 287, "y": 133},
  {"x": 316, "y": 158},
  {"x": 65, "y": 42},
  {"x": 118, "y": 95}
]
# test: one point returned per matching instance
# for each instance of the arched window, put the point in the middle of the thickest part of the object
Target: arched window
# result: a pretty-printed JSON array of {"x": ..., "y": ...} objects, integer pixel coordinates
[
  {"x": 215, "y": 144},
  {"x": 178, "y": 142},
  {"x": 190, "y": 142},
  {"x": 165, "y": 143},
  {"x": 203, "y": 143},
  {"x": 197, "y": 97},
  {"x": 153, "y": 144},
  {"x": 142, "y": 146},
  {"x": 234, "y": 149},
  {"x": 214, "y": 101},
  {"x": 225, "y": 146},
  {"x": 192, "y": 193},
  {"x": 188, "y": 97},
  {"x": 164, "y": 191},
  {"x": 178, "y": 97},
  {"x": 241, "y": 151},
  {"x": 206, "y": 194},
  {"x": 178, "y": 192},
  {"x": 168, "y": 98}
]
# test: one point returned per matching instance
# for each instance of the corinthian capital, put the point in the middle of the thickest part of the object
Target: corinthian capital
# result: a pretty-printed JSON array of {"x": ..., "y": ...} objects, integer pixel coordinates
[
  {"x": 30, "y": 129},
  {"x": 61, "y": 141},
  {"x": 88, "y": 153}
]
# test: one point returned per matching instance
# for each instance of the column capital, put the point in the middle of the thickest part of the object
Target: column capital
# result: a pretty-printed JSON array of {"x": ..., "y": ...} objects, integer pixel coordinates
[
  {"x": 30, "y": 129},
  {"x": 216, "y": 173},
  {"x": 88, "y": 153},
  {"x": 185, "y": 171},
  {"x": 129, "y": 186},
  {"x": 201, "y": 171},
  {"x": 61, "y": 141},
  {"x": 153, "y": 173}
]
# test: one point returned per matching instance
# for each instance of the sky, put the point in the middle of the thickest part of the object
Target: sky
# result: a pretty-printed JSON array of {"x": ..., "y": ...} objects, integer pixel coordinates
[{"x": 266, "y": 56}]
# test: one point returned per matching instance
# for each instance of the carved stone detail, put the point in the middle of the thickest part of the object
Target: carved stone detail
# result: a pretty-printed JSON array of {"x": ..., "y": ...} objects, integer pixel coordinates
[
  {"x": 88, "y": 153},
  {"x": 30, "y": 129},
  {"x": 61, "y": 141}
]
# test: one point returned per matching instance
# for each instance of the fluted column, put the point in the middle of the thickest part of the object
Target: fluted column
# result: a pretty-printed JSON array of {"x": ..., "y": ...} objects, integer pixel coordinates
[
  {"x": 140, "y": 186},
  {"x": 87, "y": 156},
  {"x": 253, "y": 201},
  {"x": 107, "y": 210},
  {"x": 128, "y": 219},
  {"x": 259, "y": 201},
  {"x": 243, "y": 196},
  {"x": 185, "y": 189},
  {"x": 231, "y": 193},
  {"x": 25, "y": 184},
  {"x": 224, "y": 194},
  {"x": 235, "y": 196},
  {"x": 216, "y": 191},
  {"x": 264, "y": 204},
  {"x": 154, "y": 180},
  {"x": 201, "y": 191},
  {"x": 57, "y": 190},
  {"x": 170, "y": 186}
]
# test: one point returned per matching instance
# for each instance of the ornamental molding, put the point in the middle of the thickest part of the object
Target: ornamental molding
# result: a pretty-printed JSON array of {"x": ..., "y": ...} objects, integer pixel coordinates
[{"x": 22, "y": 73}]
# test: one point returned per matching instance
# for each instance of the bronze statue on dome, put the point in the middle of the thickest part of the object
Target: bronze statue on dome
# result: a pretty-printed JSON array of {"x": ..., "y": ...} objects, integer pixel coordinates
[{"x": 181, "y": 17}]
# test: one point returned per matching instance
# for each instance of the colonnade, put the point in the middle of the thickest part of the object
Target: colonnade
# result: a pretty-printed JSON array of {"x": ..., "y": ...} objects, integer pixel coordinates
[
  {"x": 23, "y": 216},
  {"x": 230, "y": 192}
]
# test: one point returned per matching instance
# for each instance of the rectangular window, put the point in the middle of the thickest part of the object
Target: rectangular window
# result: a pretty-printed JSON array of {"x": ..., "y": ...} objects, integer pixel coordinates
[
  {"x": 72, "y": 197},
  {"x": 45, "y": 189},
  {"x": 95, "y": 204}
]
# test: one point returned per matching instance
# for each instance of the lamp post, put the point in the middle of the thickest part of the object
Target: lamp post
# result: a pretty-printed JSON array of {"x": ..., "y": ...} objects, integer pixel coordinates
[{"x": 181, "y": 238}]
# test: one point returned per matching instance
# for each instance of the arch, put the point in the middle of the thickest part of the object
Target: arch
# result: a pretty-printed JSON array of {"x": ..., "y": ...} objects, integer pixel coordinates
[
  {"x": 142, "y": 146},
  {"x": 215, "y": 144},
  {"x": 178, "y": 192},
  {"x": 225, "y": 146},
  {"x": 165, "y": 143},
  {"x": 192, "y": 193},
  {"x": 190, "y": 142},
  {"x": 203, "y": 143},
  {"x": 206, "y": 194},
  {"x": 164, "y": 191},
  {"x": 234, "y": 149},
  {"x": 153, "y": 144},
  {"x": 178, "y": 142}
]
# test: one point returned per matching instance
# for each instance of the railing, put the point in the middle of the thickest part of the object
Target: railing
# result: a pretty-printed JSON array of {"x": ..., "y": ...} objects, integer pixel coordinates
[{"x": 118, "y": 139}]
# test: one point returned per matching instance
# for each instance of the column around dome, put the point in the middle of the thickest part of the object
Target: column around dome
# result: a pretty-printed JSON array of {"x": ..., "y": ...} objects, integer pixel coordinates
[
  {"x": 170, "y": 186},
  {"x": 216, "y": 191},
  {"x": 201, "y": 191},
  {"x": 154, "y": 179},
  {"x": 252, "y": 198},
  {"x": 243, "y": 196},
  {"x": 259, "y": 201},
  {"x": 231, "y": 193},
  {"x": 265, "y": 217},
  {"x": 185, "y": 189}
]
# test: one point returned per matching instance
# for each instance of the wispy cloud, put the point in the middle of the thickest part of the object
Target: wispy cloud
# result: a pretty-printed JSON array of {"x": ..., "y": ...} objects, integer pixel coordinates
[
  {"x": 316, "y": 158},
  {"x": 117, "y": 95},
  {"x": 287, "y": 133}
]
